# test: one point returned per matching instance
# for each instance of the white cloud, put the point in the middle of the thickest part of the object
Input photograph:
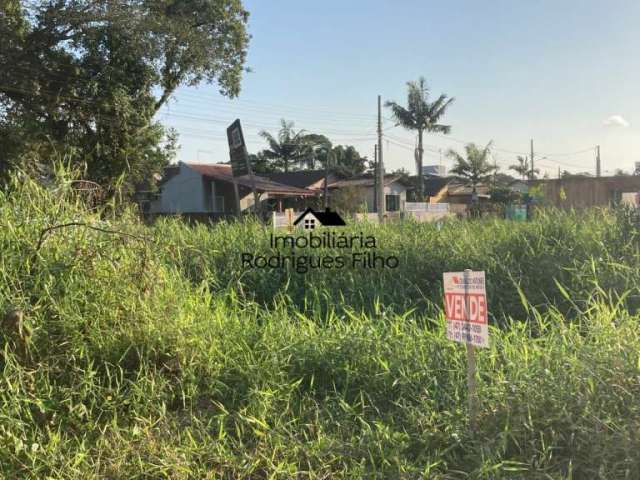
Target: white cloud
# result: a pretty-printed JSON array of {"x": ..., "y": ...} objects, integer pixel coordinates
[{"x": 616, "y": 121}]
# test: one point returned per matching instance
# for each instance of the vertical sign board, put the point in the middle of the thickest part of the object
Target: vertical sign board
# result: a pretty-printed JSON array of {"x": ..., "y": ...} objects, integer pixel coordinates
[
  {"x": 465, "y": 301},
  {"x": 237, "y": 150},
  {"x": 240, "y": 164}
]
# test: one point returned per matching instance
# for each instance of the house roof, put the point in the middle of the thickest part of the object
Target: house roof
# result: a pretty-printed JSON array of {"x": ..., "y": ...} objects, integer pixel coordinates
[
  {"x": 434, "y": 185},
  {"x": 300, "y": 179},
  {"x": 222, "y": 172},
  {"x": 326, "y": 217},
  {"x": 455, "y": 188},
  {"x": 364, "y": 181}
]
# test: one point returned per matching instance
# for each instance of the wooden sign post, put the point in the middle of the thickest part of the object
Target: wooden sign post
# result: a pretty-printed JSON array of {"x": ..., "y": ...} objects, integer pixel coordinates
[
  {"x": 472, "y": 391},
  {"x": 467, "y": 322},
  {"x": 289, "y": 214},
  {"x": 236, "y": 193}
]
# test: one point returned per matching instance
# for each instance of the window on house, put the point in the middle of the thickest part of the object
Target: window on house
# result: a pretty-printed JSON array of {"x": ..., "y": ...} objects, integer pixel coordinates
[
  {"x": 392, "y": 203},
  {"x": 218, "y": 204},
  {"x": 309, "y": 223}
]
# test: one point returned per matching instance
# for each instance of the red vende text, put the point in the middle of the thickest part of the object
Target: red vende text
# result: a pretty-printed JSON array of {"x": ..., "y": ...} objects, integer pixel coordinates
[{"x": 454, "y": 307}]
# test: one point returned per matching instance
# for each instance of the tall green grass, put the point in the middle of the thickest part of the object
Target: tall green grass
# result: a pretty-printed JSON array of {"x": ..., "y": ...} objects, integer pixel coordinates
[
  {"x": 153, "y": 355},
  {"x": 588, "y": 253}
]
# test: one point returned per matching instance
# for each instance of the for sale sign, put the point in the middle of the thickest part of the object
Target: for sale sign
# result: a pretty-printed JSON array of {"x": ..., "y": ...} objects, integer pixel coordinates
[
  {"x": 465, "y": 302},
  {"x": 237, "y": 150}
]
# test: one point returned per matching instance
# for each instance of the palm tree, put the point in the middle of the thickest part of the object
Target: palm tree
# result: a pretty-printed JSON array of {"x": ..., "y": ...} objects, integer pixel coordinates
[
  {"x": 289, "y": 148},
  {"x": 421, "y": 115},
  {"x": 475, "y": 169},
  {"x": 318, "y": 148},
  {"x": 523, "y": 168}
]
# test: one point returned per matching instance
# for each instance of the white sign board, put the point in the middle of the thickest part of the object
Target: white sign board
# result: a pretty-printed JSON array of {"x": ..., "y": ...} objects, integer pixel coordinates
[{"x": 465, "y": 302}]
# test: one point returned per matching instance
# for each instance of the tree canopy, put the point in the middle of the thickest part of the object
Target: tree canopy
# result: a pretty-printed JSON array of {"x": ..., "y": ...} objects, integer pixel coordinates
[
  {"x": 421, "y": 115},
  {"x": 287, "y": 148},
  {"x": 475, "y": 168},
  {"x": 523, "y": 168},
  {"x": 296, "y": 149},
  {"x": 347, "y": 161},
  {"x": 88, "y": 77}
]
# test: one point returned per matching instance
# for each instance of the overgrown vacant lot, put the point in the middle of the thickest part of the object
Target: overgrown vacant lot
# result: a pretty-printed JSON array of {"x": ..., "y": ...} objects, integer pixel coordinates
[{"x": 153, "y": 355}]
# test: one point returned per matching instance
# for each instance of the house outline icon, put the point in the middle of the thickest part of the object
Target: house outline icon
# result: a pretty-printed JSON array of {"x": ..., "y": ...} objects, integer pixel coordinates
[{"x": 310, "y": 218}]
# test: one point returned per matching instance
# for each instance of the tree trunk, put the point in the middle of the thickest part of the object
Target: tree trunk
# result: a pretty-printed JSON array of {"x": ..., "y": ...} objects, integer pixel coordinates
[{"x": 420, "y": 176}]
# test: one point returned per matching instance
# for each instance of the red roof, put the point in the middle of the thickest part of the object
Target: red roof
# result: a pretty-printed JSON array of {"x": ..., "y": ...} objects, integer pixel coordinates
[
  {"x": 223, "y": 173},
  {"x": 364, "y": 181}
]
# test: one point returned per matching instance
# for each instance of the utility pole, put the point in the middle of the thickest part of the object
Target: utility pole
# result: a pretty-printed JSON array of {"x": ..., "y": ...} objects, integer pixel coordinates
[
  {"x": 532, "y": 171},
  {"x": 326, "y": 178},
  {"x": 375, "y": 177},
  {"x": 380, "y": 198},
  {"x": 597, "y": 160},
  {"x": 495, "y": 171}
]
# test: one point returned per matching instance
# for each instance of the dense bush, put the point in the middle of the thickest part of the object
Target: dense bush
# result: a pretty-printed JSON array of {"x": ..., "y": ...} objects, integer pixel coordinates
[{"x": 145, "y": 352}]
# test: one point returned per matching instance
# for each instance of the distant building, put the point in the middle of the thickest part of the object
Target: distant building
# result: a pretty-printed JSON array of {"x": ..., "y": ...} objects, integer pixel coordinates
[
  {"x": 309, "y": 179},
  {"x": 458, "y": 195},
  {"x": 434, "y": 171},
  {"x": 206, "y": 190},
  {"x": 584, "y": 192},
  {"x": 363, "y": 188}
]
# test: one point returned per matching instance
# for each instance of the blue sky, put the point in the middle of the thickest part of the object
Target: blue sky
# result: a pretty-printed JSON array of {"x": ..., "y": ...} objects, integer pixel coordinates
[{"x": 553, "y": 71}]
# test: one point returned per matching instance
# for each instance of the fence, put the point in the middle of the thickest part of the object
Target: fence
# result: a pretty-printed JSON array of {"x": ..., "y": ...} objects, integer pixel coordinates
[
  {"x": 417, "y": 216},
  {"x": 284, "y": 219},
  {"x": 418, "y": 211},
  {"x": 426, "y": 207},
  {"x": 426, "y": 216},
  {"x": 373, "y": 217}
]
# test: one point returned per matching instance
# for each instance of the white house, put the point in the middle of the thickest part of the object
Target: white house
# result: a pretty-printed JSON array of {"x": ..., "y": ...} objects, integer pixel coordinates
[
  {"x": 395, "y": 191},
  {"x": 192, "y": 188}
]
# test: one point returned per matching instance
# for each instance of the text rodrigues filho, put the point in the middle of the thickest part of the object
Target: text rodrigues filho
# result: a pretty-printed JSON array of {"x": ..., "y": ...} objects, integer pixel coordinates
[{"x": 326, "y": 250}]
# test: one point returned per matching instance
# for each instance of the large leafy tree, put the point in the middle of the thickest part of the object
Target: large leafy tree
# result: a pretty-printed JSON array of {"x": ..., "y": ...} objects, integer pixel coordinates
[
  {"x": 347, "y": 161},
  {"x": 318, "y": 150},
  {"x": 523, "y": 168},
  {"x": 298, "y": 149},
  {"x": 88, "y": 77},
  {"x": 288, "y": 148},
  {"x": 421, "y": 115},
  {"x": 475, "y": 167},
  {"x": 260, "y": 164},
  {"x": 343, "y": 160}
]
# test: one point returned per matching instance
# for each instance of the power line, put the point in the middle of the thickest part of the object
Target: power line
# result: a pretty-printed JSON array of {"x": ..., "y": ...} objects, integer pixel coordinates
[
  {"x": 115, "y": 120},
  {"x": 270, "y": 106},
  {"x": 357, "y": 136},
  {"x": 247, "y": 104},
  {"x": 260, "y": 126}
]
